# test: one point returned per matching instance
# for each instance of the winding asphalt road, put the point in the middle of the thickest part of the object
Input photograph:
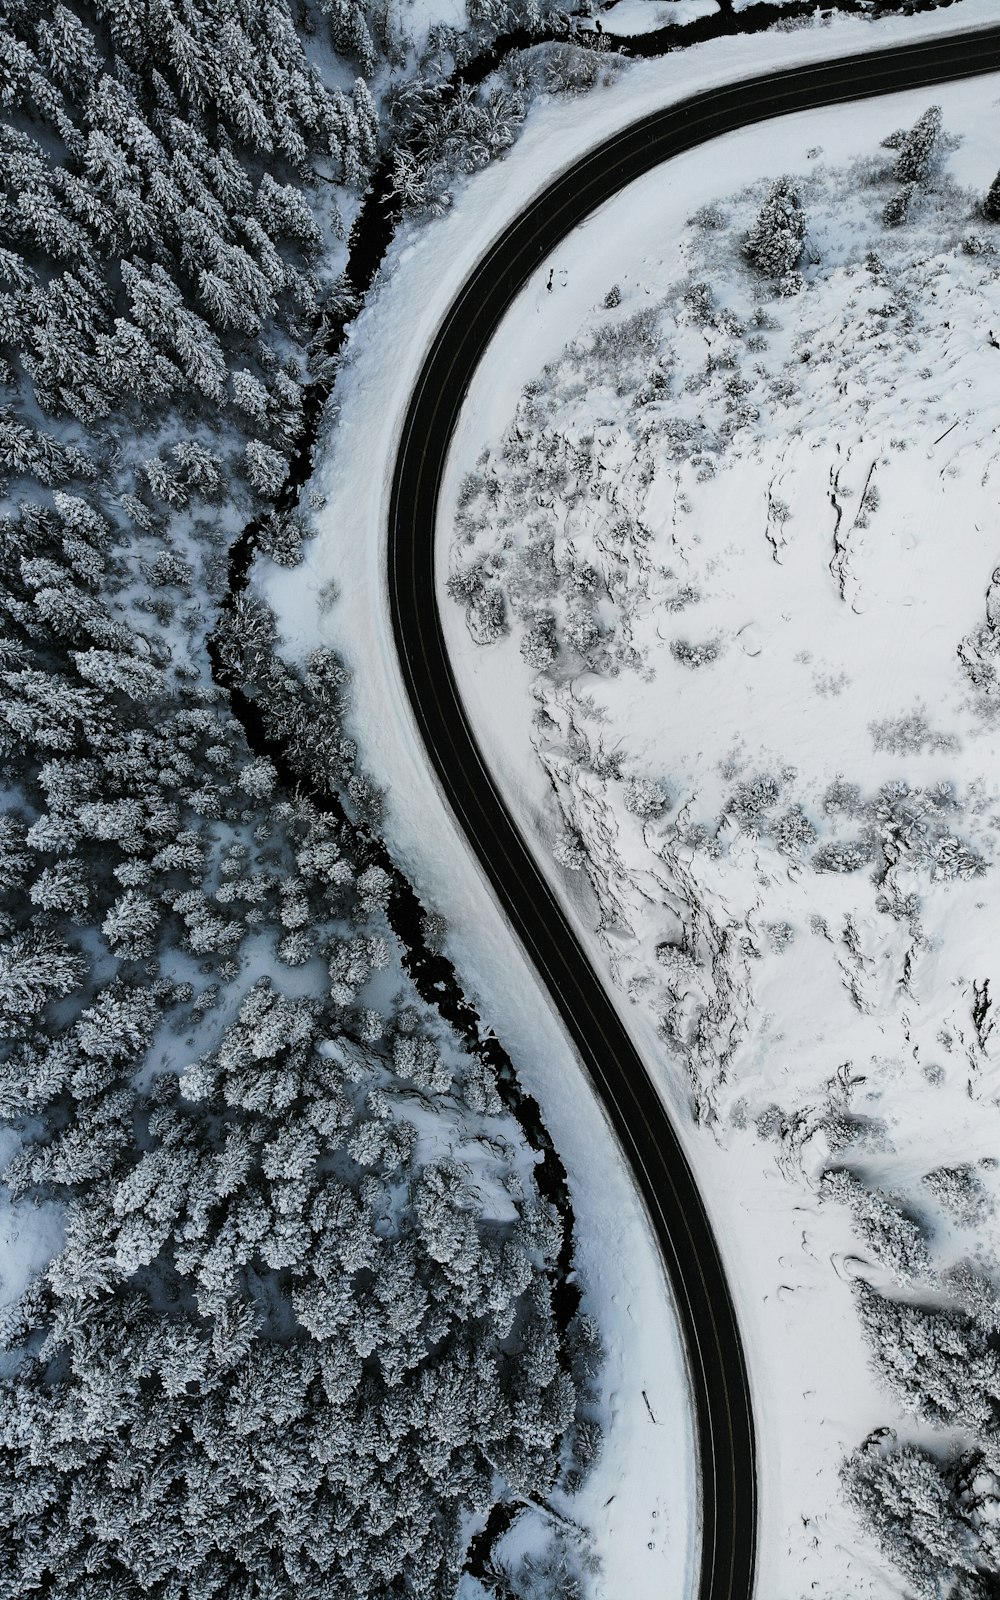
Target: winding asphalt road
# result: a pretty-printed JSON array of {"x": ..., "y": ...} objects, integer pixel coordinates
[{"x": 721, "y": 1388}]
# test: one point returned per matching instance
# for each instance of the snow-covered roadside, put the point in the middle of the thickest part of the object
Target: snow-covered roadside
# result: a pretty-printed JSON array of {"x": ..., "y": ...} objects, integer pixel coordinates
[{"x": 645, "y": 1470}]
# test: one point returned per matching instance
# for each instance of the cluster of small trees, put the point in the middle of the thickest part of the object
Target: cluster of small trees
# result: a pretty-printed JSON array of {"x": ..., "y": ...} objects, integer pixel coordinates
[
  {"x": 900, "y": 824},
  {"x": 933, "y": 1512},
  {"x": 442, "y": 131},
  {"x": 450, "y": 133},
  {"x": 553, "y": 594}
]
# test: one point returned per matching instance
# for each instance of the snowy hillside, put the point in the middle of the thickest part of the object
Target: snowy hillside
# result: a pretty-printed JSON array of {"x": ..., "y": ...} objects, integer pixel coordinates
[{"x": 726, "y": 569}]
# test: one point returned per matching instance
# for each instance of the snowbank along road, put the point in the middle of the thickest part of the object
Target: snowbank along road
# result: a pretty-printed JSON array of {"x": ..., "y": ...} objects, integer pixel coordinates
[{"x": 719, "y": 1378}]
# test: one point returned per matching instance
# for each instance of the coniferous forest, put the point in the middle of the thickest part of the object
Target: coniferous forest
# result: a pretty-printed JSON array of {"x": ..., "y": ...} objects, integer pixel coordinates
[{"x": 297, "y": 1336}]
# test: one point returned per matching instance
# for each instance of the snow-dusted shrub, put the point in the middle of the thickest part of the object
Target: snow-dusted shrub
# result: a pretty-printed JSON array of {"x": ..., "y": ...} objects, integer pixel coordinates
[
  {"x": 953, "y": 860},
  {"x": 918, "y": 151},
  {"x": 769, "y": 1123},
  {"x": 960, "y": 1192},
  {"x": 677, "y": 963},
  {"x": 588, "y": 1443},
  {"x": 465, "y": 582},
  {"x": 561, "y": 1572},
  {"x": 680, "y": 438},
  {"x": 695, "y": 655},
  {"x": 909, "y": 734},
  {"x": 897, "y": 208},
  {"x": 774, "y": 244},
  {"x": 584, "y": 577},
  {"x": 699, "y": 304},
  {"x": 615, "y": 343},
  {"x": 792, "y": 831},
  {"x": 487, "y": 614},
  {"x": 645, "y": 798},
  {"x": 485, "y": 604},
  {"x": 842, "y": 798},
  {"x": 789, "y": 284},
  {"x": 751, "y": 800},
  {"x": 540, "y": 644},
  {"x": 169, "y": 567},
  {"x": 685, "y": 595},
  {"x": 571, "y": 69},
  {"x": 581, "y": 630},
  {"x": 533, "y": 574},
  {"x": 842, "y": 855},
  {"x": 710, "y": 217},
  {"x": 843, "y": 1129},
  {"x": 570, "y": 851}
]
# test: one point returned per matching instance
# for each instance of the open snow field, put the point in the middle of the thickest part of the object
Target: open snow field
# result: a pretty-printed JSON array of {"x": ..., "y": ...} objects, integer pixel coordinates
[{"x": 790, "y": 1259}]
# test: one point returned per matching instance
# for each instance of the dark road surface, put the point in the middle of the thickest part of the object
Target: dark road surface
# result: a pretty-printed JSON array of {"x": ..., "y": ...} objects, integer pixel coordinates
[{"x": 724, "y": 1423}]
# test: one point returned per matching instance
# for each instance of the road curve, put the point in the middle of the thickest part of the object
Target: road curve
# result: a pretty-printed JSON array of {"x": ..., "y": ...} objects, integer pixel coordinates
[{"x": 724, "y": 1424}]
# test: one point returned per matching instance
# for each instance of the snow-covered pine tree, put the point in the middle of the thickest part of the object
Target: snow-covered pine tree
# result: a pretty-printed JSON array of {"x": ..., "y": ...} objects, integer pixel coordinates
[
  {"x": 897, "y": 208},
  {"x": 920, "y": 148},
  {"x": 898, "y": 1241},
  {"x": 34, "y": 969},
  {"x": 774, "y": 244},
  {"x": 905, "y": 1500},
  {"x": 937, "y": 1363}
]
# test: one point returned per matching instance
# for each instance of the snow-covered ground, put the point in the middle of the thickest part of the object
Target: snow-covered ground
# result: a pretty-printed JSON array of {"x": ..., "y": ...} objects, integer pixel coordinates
[
  {"x": 824, "y": 994},
  {"x": 631, "y": 17},
  {"x": 789, "y": 1310}
]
